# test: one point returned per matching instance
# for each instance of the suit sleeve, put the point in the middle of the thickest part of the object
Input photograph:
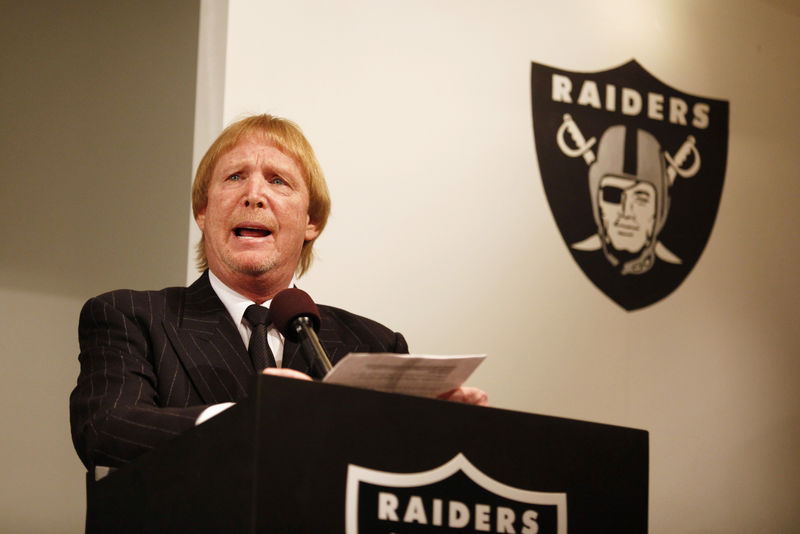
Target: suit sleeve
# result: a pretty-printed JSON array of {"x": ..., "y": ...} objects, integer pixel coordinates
[{"x": 115, "y": 410}]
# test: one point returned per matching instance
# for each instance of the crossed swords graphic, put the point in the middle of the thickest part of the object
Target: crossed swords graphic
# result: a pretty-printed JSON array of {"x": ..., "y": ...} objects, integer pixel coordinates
[
  {"x": 676, "y": 166},
  {"x": 584, "y": 148}
]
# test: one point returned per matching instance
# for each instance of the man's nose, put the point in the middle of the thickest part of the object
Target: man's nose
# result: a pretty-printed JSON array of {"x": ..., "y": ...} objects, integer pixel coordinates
[{"x": 256, "y": 194}]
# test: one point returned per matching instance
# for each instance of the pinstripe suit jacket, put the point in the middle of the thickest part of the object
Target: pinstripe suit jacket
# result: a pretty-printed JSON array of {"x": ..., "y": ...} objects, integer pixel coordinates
[{"x": 152, "y": 361}]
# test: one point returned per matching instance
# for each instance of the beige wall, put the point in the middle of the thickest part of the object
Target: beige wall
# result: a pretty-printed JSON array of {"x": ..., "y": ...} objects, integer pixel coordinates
[
  {"x": 96, "y": 126},
  {"x": 420, "y": 114}
]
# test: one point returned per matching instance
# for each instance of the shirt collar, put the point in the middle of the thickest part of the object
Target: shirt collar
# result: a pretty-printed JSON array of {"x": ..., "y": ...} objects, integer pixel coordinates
[{"x": 234, "y": 302}]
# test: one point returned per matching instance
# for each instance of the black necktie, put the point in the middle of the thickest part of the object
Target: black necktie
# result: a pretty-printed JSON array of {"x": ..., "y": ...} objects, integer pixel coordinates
[{"x": 260, "y": 353}]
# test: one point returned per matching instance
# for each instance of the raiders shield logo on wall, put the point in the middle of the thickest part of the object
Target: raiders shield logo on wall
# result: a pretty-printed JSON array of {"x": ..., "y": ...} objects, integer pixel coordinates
[{"x": 633, "y": 171}]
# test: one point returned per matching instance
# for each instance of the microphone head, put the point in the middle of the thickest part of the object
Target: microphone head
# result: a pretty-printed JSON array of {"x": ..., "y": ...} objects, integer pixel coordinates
[{"x": 287, "y": 306}]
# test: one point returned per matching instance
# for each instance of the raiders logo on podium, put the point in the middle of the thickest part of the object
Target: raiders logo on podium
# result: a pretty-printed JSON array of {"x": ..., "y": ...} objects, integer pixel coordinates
[
  {"x": 633, "y": 171},
  {"x": 454, "y": 497}
]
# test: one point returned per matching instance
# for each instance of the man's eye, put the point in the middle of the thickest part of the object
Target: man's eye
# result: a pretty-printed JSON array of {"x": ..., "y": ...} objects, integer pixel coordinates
[
  {"x": 235, "y": 177},
  {"x": 278, "y": 180}
]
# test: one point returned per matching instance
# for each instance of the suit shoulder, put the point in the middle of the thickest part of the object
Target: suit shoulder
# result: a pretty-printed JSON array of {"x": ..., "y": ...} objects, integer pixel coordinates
[
  {"x": 123, "y": 297},
  {"x": 135, "y": 303},
  {"x": 339, "y": 314},
  {"x": 361, "y": 329}
]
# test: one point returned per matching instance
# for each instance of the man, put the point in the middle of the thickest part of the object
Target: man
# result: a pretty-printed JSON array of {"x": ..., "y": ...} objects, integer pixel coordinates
[{"x": 155, "y": 363}]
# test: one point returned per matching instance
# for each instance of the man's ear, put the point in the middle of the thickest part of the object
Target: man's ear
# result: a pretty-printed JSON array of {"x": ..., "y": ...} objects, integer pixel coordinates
[
  {"x": 312, "y": 230},
  {"x": 200, "y": 219}
]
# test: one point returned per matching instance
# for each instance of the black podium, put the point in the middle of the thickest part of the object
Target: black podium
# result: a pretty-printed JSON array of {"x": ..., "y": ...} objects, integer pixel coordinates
[{"x": 309, "y": 457}]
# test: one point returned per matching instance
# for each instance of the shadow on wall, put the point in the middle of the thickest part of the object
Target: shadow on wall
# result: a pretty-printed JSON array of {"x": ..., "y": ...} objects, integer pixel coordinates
[{"x": 96, "y": 127}]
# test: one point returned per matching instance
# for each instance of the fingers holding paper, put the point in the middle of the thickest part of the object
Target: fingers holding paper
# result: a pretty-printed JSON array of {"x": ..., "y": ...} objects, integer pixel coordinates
[{"x": 466, "y": 395}]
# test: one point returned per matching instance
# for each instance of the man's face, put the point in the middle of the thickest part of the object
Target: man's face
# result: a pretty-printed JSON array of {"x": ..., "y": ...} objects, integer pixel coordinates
[
  {"x": 256, "y": 219},
  {"x": 628, "y": 212}
]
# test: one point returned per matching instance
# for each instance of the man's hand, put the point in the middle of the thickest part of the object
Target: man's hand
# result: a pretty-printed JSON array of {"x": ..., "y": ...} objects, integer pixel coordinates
[
  {"x": 467, "y": 395},
  {"x": 286, "y": 373}
]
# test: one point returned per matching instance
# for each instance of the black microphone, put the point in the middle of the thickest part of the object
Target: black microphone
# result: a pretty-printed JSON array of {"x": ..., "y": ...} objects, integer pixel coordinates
[{"x": 296, "y": 316}]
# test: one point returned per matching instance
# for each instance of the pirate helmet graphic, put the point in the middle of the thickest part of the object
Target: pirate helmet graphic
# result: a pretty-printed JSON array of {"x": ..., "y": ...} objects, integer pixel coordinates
[
  {"x": 629, "y": 191},
  {"x": 630, "y": 196}
]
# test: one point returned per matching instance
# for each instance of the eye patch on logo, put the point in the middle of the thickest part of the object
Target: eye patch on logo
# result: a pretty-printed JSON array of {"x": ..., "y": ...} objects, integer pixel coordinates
[{"x": 612, "y": 195}]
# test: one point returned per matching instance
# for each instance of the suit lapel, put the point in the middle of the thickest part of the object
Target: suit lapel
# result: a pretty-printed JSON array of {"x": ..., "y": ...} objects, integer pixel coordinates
[
  {"x": 207, "y": 343},
  {"x": 293, "y": 357},
  {"x": 329, "y": 337}
]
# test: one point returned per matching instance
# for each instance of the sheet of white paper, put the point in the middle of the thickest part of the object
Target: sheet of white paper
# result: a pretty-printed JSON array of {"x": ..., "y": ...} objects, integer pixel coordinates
[{"x": 412, "y": 374}]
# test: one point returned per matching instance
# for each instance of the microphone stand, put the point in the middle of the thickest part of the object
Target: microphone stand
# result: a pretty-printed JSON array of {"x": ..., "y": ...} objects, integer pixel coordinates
[{"x": 310, "y": 344}]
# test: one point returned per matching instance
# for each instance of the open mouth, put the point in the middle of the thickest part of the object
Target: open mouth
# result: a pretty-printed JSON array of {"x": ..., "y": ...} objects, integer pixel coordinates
[{"x": 248, "y": 231}]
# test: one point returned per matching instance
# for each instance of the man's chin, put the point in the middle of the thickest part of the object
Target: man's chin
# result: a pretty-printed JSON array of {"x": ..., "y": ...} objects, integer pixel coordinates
[
  {"x": 255, "y": 269},
  {"x": 251, "y": 266}
]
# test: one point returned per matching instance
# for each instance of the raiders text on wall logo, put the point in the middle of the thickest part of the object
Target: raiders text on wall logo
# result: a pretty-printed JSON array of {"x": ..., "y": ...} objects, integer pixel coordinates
[
  {"x": 455, "y": 497},
  {"x": 633, "y": 171}
]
